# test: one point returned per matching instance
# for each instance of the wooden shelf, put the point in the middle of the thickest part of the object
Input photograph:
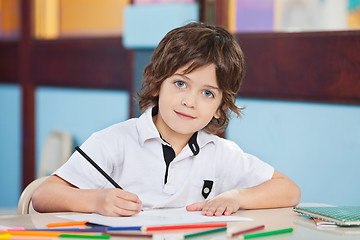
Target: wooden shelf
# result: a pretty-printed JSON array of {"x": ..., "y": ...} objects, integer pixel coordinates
[
  {"x": 307, "y": 66},
  {"x": 9, "y": 62},
  {"x": 311, "y": 66},
  {"x": 86, "y": 63}
]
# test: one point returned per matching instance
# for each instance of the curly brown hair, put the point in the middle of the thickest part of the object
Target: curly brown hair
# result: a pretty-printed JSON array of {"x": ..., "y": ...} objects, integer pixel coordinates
[{"x": 197, "y": 44}]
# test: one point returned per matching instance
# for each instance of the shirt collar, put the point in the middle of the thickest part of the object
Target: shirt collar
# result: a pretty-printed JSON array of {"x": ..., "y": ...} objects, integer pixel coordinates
[
  {"x": 146, "y": 127},
  {"x": 204, "y": 138}
]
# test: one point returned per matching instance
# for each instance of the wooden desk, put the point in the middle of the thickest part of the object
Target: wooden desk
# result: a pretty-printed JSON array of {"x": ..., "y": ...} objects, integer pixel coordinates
[{"x": 304, "y": 228}]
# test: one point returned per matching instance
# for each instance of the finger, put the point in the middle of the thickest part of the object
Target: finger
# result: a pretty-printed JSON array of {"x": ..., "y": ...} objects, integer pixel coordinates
[
  {"x": 128, "y": 205},
  {"x": 209, "y": 212},
  {"x": 114, "y": 211},
  {"x": 128, "y": 196},
  {"x": 125, "y": 212},
  {"x": 219, "y": 211},
  {"x": 211, "y": 207},
  {"x": 195, "y": 206},
  {"x": 229, "y": 211}
]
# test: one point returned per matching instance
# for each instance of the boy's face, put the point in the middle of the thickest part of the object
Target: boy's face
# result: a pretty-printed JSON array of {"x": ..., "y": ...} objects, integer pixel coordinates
[{"x": 187, "y": 102}]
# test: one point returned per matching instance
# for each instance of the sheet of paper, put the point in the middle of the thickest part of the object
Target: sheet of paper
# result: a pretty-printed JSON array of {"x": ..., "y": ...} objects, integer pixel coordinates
[
  {"x": 323, "y": 223},
  {"x": 3, "y": 228},
  {"x": 154, "y": 217}
]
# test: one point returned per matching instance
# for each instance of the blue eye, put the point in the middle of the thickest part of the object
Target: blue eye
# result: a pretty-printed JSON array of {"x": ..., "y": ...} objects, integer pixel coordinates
[
  {"x": 180, "y": 84},
  {"x": 208, "y": 94}
]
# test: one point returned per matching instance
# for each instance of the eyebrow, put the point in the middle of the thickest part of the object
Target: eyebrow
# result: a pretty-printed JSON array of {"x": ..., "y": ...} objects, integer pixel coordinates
[{"x": 206, "y": 86}]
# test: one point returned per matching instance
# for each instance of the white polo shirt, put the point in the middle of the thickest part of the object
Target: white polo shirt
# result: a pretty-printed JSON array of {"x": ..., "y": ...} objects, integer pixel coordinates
[{"x": 131, "y": 152}]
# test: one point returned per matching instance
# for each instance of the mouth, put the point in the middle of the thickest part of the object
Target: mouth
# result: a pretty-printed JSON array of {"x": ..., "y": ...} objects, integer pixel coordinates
[{"x": 184, "y": 116}]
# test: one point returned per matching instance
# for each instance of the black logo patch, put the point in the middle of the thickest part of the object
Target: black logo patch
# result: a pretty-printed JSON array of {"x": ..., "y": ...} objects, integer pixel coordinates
[{"x": 208, "y": 184}]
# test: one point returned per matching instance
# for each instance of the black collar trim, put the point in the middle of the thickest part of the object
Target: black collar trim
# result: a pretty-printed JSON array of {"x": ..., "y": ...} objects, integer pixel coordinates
[{"x": 193, "y": 145}]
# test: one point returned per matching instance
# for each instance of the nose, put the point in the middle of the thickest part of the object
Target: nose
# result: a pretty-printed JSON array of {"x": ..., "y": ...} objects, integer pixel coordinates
[{"x": 189, "y": 99}]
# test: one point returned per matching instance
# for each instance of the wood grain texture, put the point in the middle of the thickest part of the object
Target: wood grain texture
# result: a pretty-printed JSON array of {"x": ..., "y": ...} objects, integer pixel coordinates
[
  {"x": 317, "y": 66},
  {"x": 9, "y": 62},
  {"x": 27, "y": 94},
  {"x": 87, "y": 63}
]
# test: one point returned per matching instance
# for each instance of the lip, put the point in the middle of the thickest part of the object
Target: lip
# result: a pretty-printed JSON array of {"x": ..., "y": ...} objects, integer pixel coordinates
[{"x": 184, "y": 116}]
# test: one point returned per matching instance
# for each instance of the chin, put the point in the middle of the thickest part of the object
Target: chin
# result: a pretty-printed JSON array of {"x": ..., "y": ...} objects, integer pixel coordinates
[{"x": 183, "y": 130}]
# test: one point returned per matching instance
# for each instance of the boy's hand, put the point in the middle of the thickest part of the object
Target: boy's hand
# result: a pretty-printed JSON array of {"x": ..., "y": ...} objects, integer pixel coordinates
[
  {"x": 115, "y": 202},
  {"x": 225, "y": 203}
]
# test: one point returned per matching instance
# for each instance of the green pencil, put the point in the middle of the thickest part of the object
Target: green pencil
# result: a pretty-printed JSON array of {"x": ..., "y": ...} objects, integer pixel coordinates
[
  {"x": 84, "y": 236},
  {"x": 205, "y": 232},
  {"x": 255, "y": 235}
]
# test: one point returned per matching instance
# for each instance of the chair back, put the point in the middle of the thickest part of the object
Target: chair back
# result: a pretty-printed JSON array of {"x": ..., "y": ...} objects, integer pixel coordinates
[
  {"x": 24, "y": 204},
  {"x": 56, "y": 151}
]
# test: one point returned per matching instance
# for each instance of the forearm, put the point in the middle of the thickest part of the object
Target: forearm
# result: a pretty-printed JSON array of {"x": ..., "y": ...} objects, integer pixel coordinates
[
  {"x": 56, "y": 197},
  {"x": 279, "y": 191}
]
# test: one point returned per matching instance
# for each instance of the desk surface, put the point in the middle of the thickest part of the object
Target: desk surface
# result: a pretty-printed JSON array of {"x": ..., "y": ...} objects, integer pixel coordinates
[{"x": 273, "y": 219}]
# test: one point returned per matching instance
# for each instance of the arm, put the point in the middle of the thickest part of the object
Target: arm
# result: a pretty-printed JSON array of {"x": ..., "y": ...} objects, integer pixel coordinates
[
  {"x": 279, "y": 191},
  {"x": 57, "y": 195}
]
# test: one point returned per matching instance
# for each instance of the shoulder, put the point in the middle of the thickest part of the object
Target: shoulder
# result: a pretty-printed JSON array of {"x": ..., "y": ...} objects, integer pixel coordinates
[
  {"x": 118, "y": 130},
  {"x": 223, "y": 144},
  {"x": 132, "y": 131},
  {"x": 219, "y": 149},
  {"x": 112, "y": 137},
  {"x": 228, "y": 144}
]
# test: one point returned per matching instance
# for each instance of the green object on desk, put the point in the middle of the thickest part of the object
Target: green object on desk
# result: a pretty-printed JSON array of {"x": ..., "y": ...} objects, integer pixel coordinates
[
  {"x": 341, "y": 215},
  {"x": 205, "y": 232},
  {"x": 262, "y": 234},
  {"x": 84, "y": 236}
]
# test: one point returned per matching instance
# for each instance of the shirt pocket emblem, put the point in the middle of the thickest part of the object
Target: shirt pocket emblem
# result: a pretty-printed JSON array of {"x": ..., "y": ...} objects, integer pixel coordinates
[{"x": 207, "y": 187}]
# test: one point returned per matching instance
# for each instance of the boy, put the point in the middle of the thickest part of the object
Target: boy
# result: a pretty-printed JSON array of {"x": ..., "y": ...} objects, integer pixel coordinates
[{"x": 169, "y": 156}]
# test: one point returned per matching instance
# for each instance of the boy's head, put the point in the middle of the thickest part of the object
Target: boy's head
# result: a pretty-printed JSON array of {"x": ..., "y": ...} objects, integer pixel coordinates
[{"x": 197, "y": 45}]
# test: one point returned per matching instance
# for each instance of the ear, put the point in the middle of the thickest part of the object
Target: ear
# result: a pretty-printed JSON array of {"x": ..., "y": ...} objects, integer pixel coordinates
[
  {"x": 218, "y": 112},
  {"x": 156, "y": 93}
]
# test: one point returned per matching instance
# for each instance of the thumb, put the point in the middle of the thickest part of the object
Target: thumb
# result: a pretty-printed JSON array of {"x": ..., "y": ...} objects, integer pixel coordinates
[{"x": 195, "y": 206}]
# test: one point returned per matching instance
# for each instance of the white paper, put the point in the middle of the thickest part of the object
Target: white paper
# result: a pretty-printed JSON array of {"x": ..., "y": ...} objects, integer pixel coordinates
[
  {"x": 154, "y": 217},
  {"x": 4, "y": 228}
]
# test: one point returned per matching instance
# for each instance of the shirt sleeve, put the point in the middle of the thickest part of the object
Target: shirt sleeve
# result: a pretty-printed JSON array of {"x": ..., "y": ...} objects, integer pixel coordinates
[
  {"x": 242, "y": 170},
  {"x": 79, "y": 172}
]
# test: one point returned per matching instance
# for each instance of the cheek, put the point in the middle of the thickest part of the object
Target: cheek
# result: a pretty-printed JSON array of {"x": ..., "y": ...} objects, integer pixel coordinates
[
  {"x": 214, "y": 109},
  {"x": 165, "y": 97},
  {"x": 162, "y": 93}
]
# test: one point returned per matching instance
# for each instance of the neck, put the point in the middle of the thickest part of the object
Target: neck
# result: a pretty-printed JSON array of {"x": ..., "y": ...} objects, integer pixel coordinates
[{"x": 177, "y": 140}]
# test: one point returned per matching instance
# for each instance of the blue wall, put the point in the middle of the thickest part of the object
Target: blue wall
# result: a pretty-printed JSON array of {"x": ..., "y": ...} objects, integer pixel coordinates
[
  {"x": 77, "y": 111},
  {"x": 317, "y": 145},
  {"x": 10, "y": 144}
]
